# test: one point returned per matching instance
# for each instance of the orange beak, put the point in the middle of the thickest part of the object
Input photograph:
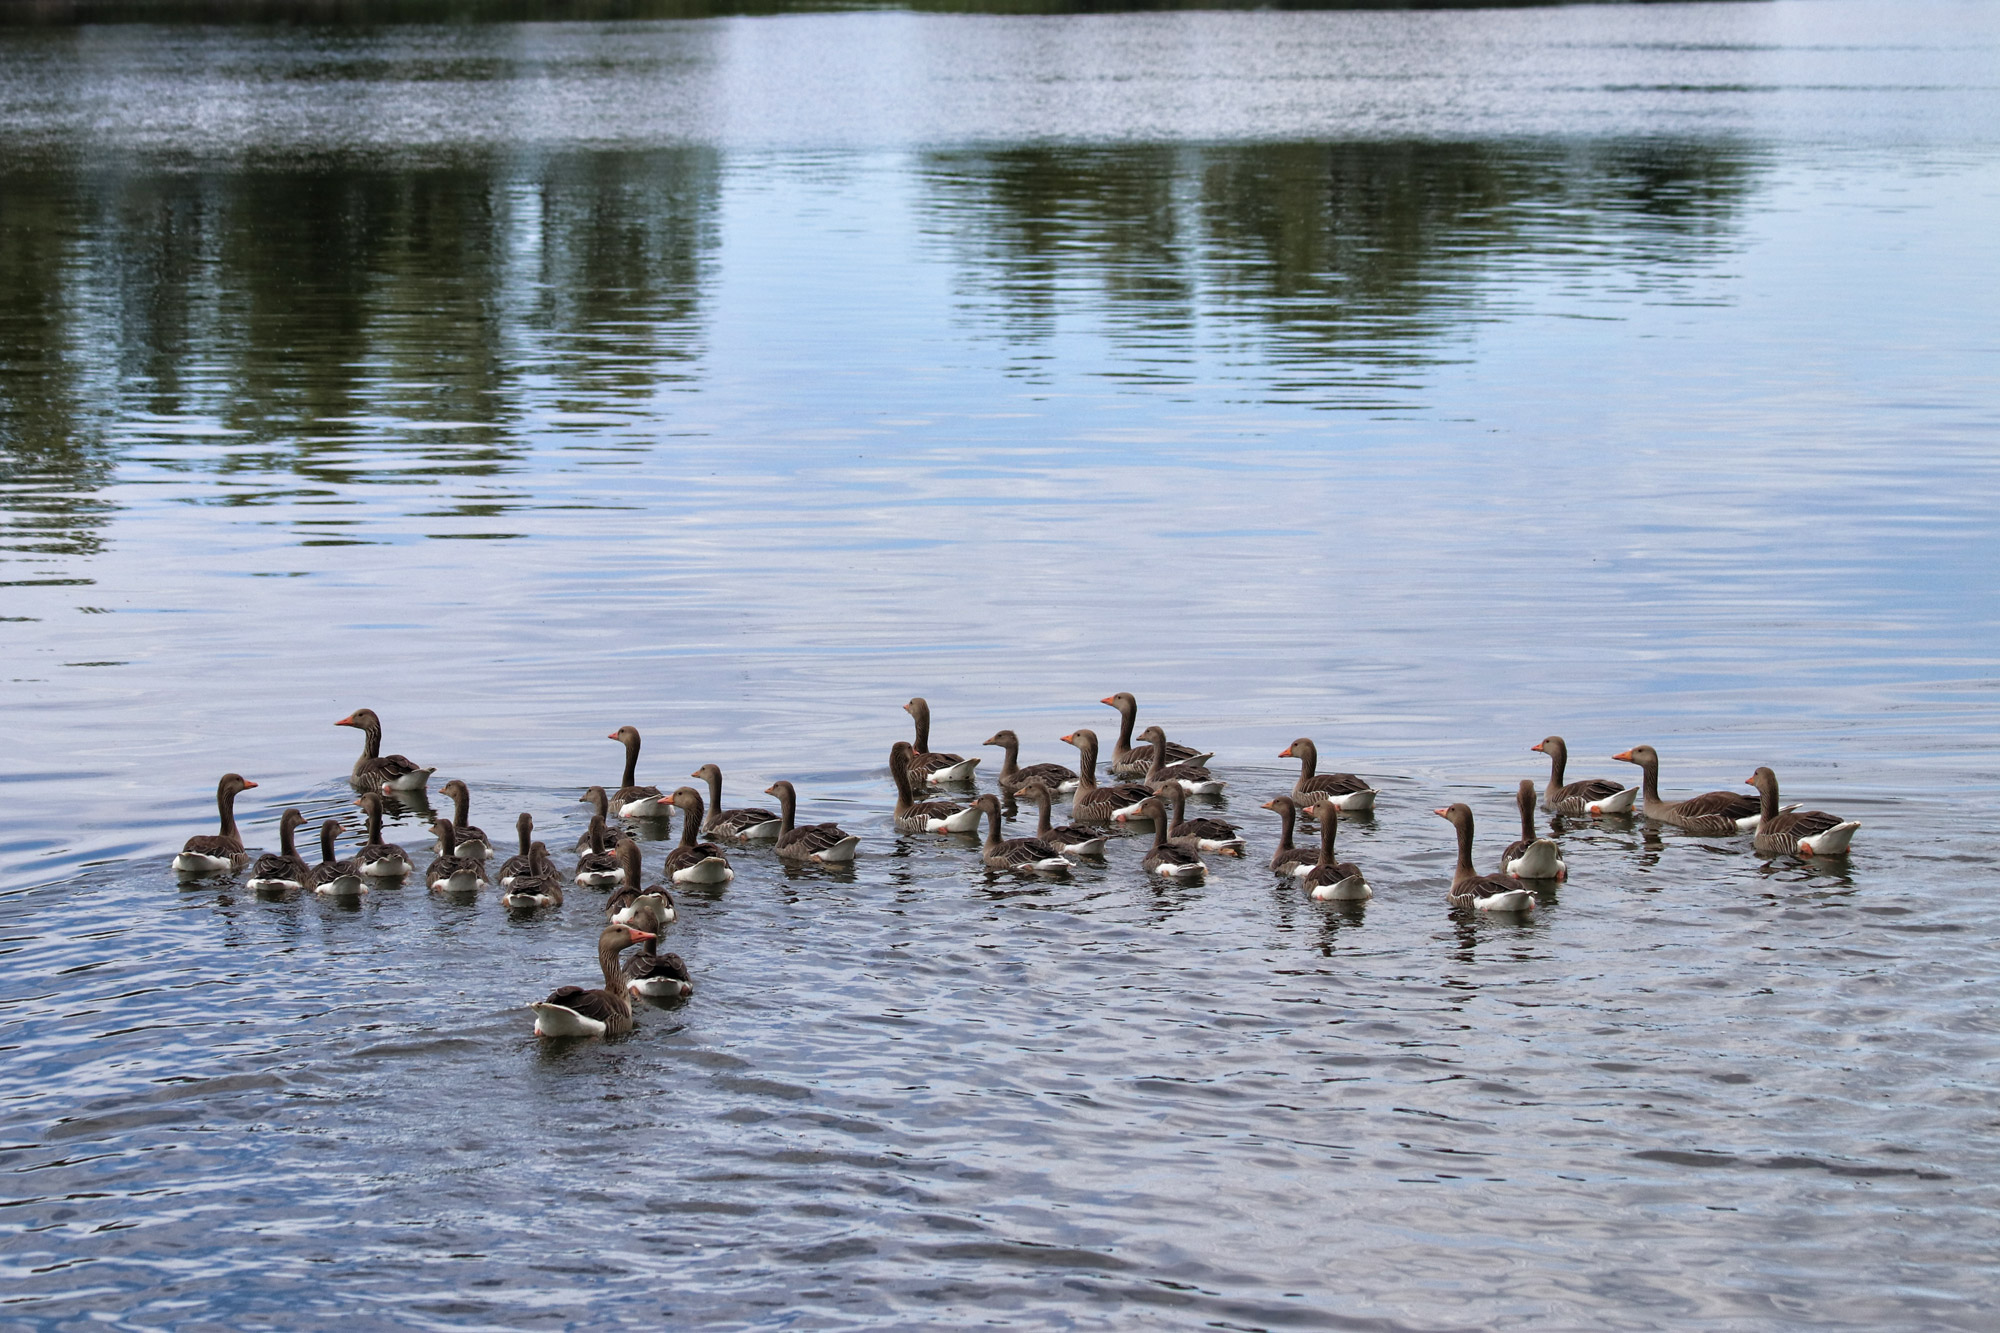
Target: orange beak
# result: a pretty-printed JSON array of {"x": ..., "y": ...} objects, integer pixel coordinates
[
  {"x": 1107, "y": 700},
  {"x": 1285, "y": 753},
  {"x": 1749, "y": 782},
  {"x": 1270, "y": 805},
  {"x": 1537, "y": 749},
  {"x": 1069, "y": 739},
  {"x": 1446, "y": 812},
  {"x": 611, "y": 736},
  {"x": 347, "y": 721},
  {"x": 1625, "y": 755},
  {"x": 641, "y": 934},
  {"x": 248, "y": 783}
]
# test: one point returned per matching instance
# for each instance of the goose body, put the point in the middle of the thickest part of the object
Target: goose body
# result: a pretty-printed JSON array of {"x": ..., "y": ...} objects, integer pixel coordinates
[
  {"x": 284, "y": 869},
  {"x": 335, "y": 877},
  {"x": 599, "y": 802},
  {"x": 375, "y": 771},
  {"x": 1798, "y": 832},
  {"x": 1585, "y": 796},
  {"x": 632, "y": 904},
  {"x": 1190, "y": 777},
  {"x": 1204, "y": 833},
  {"x": 599, "y": 868},
  {"x": 450, "y": 872},
  {"x": 913, "y": 816},
  {"x": 1344, "y": 791},
  {"x": 632, "y": 801},
  {"x": 928, "y": 767},
  {"x": 1093, "y": 804},
  {"x": 539, "y": 885},
  {"x": 751, "y": 824},
  {"x": 1130, "y": 761},
  {"x": 571, "y": 1011},
  {"x": 1295, "y": 862},
  {"x": 1329, "y": 880},
  {"x": 1712, "y": 814},
  {"x": 1529, "y": 856},
  {"x": 662, "y": 976},
  {"x": 1469, "y": 888},
  {"x": 470, "y": 839},
  {"x": 694, "y": 861},
  {"x": 218, "y": 853},
  {"x": 1013, "y": 776},
  {"x": 1067, "y": 839},
  {"x": 1029, "y": 856},
  {"x": 1165, "y": 859},
  {"x": 827, "y": 844},
  {"x": 524, "y": 829},
  {"x": 378, "y": 859}
]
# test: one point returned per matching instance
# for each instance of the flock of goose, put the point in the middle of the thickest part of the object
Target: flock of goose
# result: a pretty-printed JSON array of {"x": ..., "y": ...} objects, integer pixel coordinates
[{"x": 1151, "y": 781}]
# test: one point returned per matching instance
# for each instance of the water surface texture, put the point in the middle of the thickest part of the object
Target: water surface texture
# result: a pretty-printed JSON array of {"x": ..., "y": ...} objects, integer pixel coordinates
[{"x": 1424, "y": 383}]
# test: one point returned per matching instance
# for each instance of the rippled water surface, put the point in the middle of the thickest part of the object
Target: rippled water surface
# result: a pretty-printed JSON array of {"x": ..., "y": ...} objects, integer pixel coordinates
[{"x": 1424, "y": 383}]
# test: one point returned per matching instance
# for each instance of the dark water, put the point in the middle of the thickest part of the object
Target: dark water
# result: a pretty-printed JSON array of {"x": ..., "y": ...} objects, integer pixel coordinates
[{"x": 1423, "y": 383}]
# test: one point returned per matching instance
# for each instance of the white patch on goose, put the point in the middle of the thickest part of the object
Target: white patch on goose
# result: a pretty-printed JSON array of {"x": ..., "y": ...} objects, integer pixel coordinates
[
  {"x": 1226, "y": 846},
  {"x": 965, "y": 821},
  {"x": 1208, "y": 787},
  {"x": 1180, "y": 869},
  {"x": 763, "y": 832},
  {"x": 463, "y": 882},
  {"x": 709, "y": 870},
  {"x": 1130, "y": 814},
  {"x": 345, "y": 885},
  {"x": 649, "y": 808},
  {"x": 386, "y": 868},
  {"x": 552, "y": 1020},
  {"x": 194, "y": 863},
  {"x": 668, "y": 986},
  {"x": 600, "y": 879},
  {"x": 1088, "y": 847},
  {"x": 1510, "y": 900},
  {"x": 958, "y": 772},
  {"x": 1620, "y": 804},
  {"x": 412, "y": 781},
  {"x": 1542, "y": 860},
  {"x": 1353, "y": 889},
  {"x": 841, "y": 851},
  {"x": 1832, "y": 842}
]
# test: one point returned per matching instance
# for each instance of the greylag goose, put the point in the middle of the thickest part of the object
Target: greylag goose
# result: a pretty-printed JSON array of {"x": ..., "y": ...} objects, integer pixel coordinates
[
  {"x": 1469, "y": 888},
  {"x": 828, "y": 844},
  {"x": 632, "y": 801},
  {"x": 1348, "y": 791},
  {"x": 600, "y": 805},
  {"x": 663, "y": 976},
  {"x": 598, "y": 868},
  {"x": 1531, "y": 856},
  {"x": 379, "y": 859},
  {"x": 539, "y": 885},
  {"x": 1128, "y": 761},
  {"x": 1804, "y": 832},
  {"x": 218, "y": 853},
  {"x": 625, "y": 904},
  {"x": 929, "y": 767},
  {"x": 1165, "y": 859},
  {"x": 1585, "y": 796},
  {"x": 375, "y": 771},
  {"x": 471, "y": 840},
  {"x": 1288, "y": 859},
  {"x": 1713, "y": 813},
  {"x": 745, "y": 825},
  {"x": 524, "y": 829},
  {"x": 914, "y": 816},
  {"x": 283, "y": 869},
  {"x": 572, "y": 1011},
  {"x": 1328, "y": 880},
  {"x": 1204, "y": 833},
  {"x": 1189, "y": 777},
  {"x": 1028, "y": 856},
  {"x": 1068, "y": 839},
  {"x": 335, "y": 876},
  {"x": 694, "y": 861},
  {"x": 1093, "y": 804},
  {"x": 451, "y": 872},
  {"x": 1013, "y": 776}
]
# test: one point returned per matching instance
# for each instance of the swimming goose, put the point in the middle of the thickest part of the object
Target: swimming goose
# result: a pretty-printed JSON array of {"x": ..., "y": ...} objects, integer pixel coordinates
[
  {"x": 1128, "y": 761},
  {"x": 472, "y": 841},
  {"x": 925, "y": 816},
  {"x": 1713, "y": 814},
  {"x": 1013, "y": 777},
  {"x": 283, "y": 869},
  {"x": 930, "y": 767},
  {"x": 1093, "y": 804},
  {"x": 378, "y": 859},
  {"x": 694, "y": 861},
  {"x": 1804, "y": 832},
  {"x": 333, "y": 876},
  {"x": 828, "y": 844},
  {"x": 1068, "y": 839},
  {"x": 599, "y": 867},
  {"x": 1585, "y": 796},
  {"x": 539, "y": 885},
  {"x": 1529, "y": 856},
  {"x": 572, "y": 1011},
  {"x": 1289, "y": 860},
  {"x": 628, "y": 903},
  {"x": 524, "y": 829},
  {"x": 600, "y": 804},
  {"x": 218, "y": 853},
  {"x": 1328, "y": 880},
  {"x": 1028, "y": 856},
  {"x": 1189, "y": 777},
  {"x": 649, "y": 972},
  {"x": 449, "y": 871},
  {"x": 375, "y": 771},
  {"x": 1204, "y": 833},
  {"x": 1348, "y": 791},
  {"x": 752, "y": 822},
  {"x": 1469, "y": 888},
  {"x": 1165, "y": 859},
  {"x": 631, "y": 800}
]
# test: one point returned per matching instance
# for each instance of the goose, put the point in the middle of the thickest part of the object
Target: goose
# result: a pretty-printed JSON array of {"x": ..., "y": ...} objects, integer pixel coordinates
[
  {"x": 1469, "y": 888},
  {"x": 539, "y": 885},
  {"x": 600, "y": 804},
  {"x": 335, "y": 877},
  {"x": 934, "y": 767},
  {"x": 694, "y": 861},
  {"x": 631, "y": 800},
  {"x": 379, "y": 859},
  {"x": 1585, "y": 796},
  {"x": 1804, "y": 832},
  {"x": 1165, "y": 859},
  {"x": 625, "y": 904},
  {"x": 375, "y": 771},
  {"x": 1093, "y": 804},
  {"x": 1028, "y": 856},
  {"x": 751, "y": 823},
  {"x": 1289, "y": 860},
  {"x": 1348, "y": 792},
  {"x": 472, "y": 841},
  {"x": 828, "y": 844},
  {"x": 649, "y": 972},
  {"x": 450, "y": 871},
  {"x": 1328, "y": 880},
  {"x": 1069, "y": 839},
  {"x": 1529, "y": 856},
  {"x": 1712, "y": 814},
  {"x": 218, "y": 853},
  {"x": 572, "y": 1011},
  {"x": 524, "y": 829},
  {"x": 925, "y": 816},
  {"x": 1189, "y": 777},
  {"x": 1130, "y": 762},
  {"x": 283, "y": 869},
  {"x": 1204, "y": 833},
  {"x": 1013, "y": 777},
  {"x": 599, "y": 868}
]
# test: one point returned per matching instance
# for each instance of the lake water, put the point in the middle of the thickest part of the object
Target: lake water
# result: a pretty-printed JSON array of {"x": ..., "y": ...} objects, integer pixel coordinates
[{"x": 1424, "y": 383}]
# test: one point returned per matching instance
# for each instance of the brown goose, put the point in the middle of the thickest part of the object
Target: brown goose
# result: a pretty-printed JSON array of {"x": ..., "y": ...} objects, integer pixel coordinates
[
  {"x": 472, "y": 840},
  {"x": 745, "y": 825},
  {"x": 379, "y": 859},
  {"x": 450, "y": 871},
  {"x": 694, "y": 861},
  {"x": 1804, "y": 832},
  {"x": 1068, "y": 839},
  {"x": 914, "y": 816},
  {"x": 539, "y": 885},
  {"x": 375, "y": 771},
  {"x": 1288, "y": 859},
  {"x": 828, "y": 844},
  {"x": 649, "y": 972},
  {"x": 572, "y": 1011},
  {"x": 1469, "y": 888},
  {"x": 600, "y": 804},
  {"x": 1189, "y": 777},
  {"x": 1093, "y": 804},
  {"x": 928, "y": 767},
  {"x": 626, "y": 904},
  {"x": 218, "y": 853},
  {"x": 599, "y": 867},
  {"x": 1128, "y": 761},
  {"x": 1585, "y": 796},
  {"x": 1013, "y": 777},
  {"x": 1530, "y": 856},
  {"x": 283, "y": 869},
  {"x": 335, "y": 876},
  {"x": 1329, "y": 880},
  {"x": 1204, "y": 833},
  {"x": 524, "y": 829},
  {"x": 632, "y": 801},
  {"x": 1165, "y": 858},
  {"x": 1348, "y": 791},
  {"x": 1713, "y": 813},
  {"x": 1027, "y": 856}
]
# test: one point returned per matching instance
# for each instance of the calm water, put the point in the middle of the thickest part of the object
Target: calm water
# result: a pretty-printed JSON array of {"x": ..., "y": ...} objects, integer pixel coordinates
[{"x": 1423, "y": 383}]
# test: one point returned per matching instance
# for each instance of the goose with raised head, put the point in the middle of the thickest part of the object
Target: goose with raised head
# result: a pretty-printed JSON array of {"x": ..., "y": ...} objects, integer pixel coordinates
[
  {"x": 524, "y": 829},
  {"x": 663, "y": 976},
  {"x": 276, "y": 872},
  {"x": 1347, "y": 791},
  {"x": 1027, "y": 856},
  {"x": 1289, "y": 859},
  {"x": 333, "y": 875},
  {"x": 1469, "y": 888},
  {"x": 632, "y": 801},
  {"x": 1712, "y": 814},
  {"x": 1013, "y": 776},
  {"x": 928, "y": 767},
  {"x": 828, "y": 844},
  {"x": 540, "y": 884},
  {"x": 599, "y": 867},
  {"x": 914, "y": 816},
  {"x": 1130, "y": 761},
  {"x": 694, "y": 861},
  {"x": 626, "y": 902},
  {"x": 1203, "y": 833},
  {"x": 1189, "y": 777},
  {"x": 1329, "y": 879},
  {"x": 1093, "y": 804},
  {"x": 572, "y": 1011},
  {"x": 752, "y": 823},
  {"x": 450, "y": 872},
  {"x": 470, "y": 839},
  {"x": 378, "y": 859},
  {"x": 600, "y": 805},
  {"x": 1531, "y": 856},
  {"x": 1165, "y": 859},
  {"x": 375, "y": 771},
  {"x": 1800, "y": 832},
  {"x": 218, "y": 853},
  {"x": 1068, "y": 838},
  {"x": 1585, "y": 796}
]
